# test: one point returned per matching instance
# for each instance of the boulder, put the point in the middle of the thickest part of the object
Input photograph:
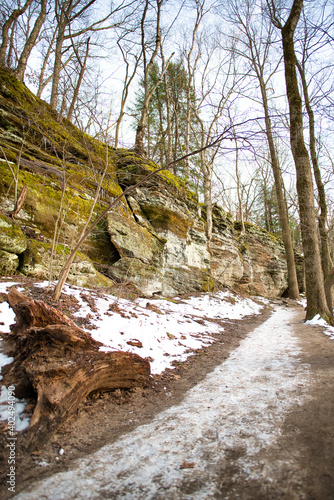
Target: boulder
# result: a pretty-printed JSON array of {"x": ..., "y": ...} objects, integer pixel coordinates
[
  {"x": 134, "y": 241},
  {"x": 147, "y": 278}
]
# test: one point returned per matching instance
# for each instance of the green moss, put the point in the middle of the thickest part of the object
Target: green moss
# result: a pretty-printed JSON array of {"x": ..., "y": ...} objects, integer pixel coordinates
[
  {"x": 140, "y": 168},
  {"x": 208, "y": 285},
  {"x": 243, "y": 248},
  {"x": 30, "y": 121},
  {"x": 12, "y": 238},
  {"x": 258, "y": 231},
  {"x": 166, "y": 219},
  {"x": 9, "y": 263}
]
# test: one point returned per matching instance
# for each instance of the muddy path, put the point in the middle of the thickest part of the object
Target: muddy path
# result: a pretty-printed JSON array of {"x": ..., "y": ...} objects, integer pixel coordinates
[{"x": 260, "y": 426}]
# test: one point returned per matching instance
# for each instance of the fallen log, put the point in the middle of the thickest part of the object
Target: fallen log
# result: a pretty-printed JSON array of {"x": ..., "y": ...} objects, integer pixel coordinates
[{"x": 62, "y": 364}]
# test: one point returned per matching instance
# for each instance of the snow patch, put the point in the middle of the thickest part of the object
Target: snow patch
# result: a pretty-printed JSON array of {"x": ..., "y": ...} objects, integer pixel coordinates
[
  {"x": 162, "y": 330},
  {"x": 318, "y": 320}
]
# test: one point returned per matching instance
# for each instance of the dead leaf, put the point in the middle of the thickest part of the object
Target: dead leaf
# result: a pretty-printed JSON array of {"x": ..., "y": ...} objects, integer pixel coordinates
[
  {"x": 187, "y": 465},
  {"x": 135, "y": 343}
]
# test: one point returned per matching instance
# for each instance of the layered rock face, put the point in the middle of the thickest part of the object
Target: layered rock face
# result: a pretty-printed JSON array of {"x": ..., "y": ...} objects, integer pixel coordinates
[
  {"x": 158, "y": 243},
  {"x": 164, "y": 250},
  {"x": 154, "y": 240}
]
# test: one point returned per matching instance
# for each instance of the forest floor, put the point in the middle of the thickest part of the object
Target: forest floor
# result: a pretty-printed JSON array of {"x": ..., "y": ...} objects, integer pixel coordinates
[{"x": 247, "y": 417}]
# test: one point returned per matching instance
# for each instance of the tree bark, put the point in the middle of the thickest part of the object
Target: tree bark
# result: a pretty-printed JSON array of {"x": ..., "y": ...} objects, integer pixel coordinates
[
  {"x": 30, "y": 43},
  {"x": 62, "y": 364},
  {"x": 282, "y": 209},
  {"x": 80, "y": 78},
  {"x": 57, "y": 68},
  {"x": 125, "y": 92},
  {"x": 315, "y": 291},
  {"x": 329, "y": 283},
  {"x": 168, "y": 113},
  {"x": 6, "y": 27},
  {"x": 324, "y": 243},
  {"x": 19, "y": 202}
]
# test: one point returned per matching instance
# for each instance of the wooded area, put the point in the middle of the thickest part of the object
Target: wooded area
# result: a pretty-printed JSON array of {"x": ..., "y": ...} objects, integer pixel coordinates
[{"x": 246, "y": 84}]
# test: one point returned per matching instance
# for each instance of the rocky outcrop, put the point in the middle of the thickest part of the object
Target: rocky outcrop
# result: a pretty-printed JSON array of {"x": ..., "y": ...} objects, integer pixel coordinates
[
  {"x": 164, "y": 249},
  {"x": 155, "y": 240}
]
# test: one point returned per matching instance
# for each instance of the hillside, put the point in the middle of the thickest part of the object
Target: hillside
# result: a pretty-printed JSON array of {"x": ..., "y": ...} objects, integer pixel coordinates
[{"x": 154, "y": 241}]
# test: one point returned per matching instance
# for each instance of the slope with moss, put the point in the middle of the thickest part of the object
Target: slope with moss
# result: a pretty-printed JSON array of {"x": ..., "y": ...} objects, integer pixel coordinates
[{"x": 154, "y": 239}]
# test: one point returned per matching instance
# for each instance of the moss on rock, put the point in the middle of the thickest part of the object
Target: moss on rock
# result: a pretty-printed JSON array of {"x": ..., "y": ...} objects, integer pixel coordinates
[
  {"x": 12, "y": 238},
  {"x": 9, "y": 262}
]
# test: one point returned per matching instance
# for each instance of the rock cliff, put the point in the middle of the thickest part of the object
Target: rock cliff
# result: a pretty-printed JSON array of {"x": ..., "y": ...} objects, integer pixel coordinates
[{"x": 153, "y": 241}]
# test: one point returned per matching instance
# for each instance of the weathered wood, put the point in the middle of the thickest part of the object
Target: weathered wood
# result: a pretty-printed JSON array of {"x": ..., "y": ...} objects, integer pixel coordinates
[
  {"x": 20, "y": 201},
  {"x": 62, "y": 364}
]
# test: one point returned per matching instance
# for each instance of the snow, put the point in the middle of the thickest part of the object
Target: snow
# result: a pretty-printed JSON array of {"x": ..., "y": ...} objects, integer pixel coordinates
[
  {"x": 237, "y": 410},
  {"x": 318, "y": 320},
  {"x": 168, "y": 330},
  {"x": 164, "y": 330}
]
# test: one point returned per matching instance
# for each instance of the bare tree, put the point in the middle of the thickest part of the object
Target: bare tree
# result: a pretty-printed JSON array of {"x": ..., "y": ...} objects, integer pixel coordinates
[
  {"x": 82, "y": 64},
  {"x": 128, "y": 78},
  {"x": 191, "y": 63},
  {"x": 71, "y": 23},
  {"x": 218, "y": 82},
  {"x": 7, "y": 26},
  {"x": 312, "y": 40},
  {"x": 30, "y": 42},
  {"x": 147, "y": 65},
  {"x": 256, "y": 40},
  {"x": 315, "y": 289},
  {"x": 237, "y": 176}
]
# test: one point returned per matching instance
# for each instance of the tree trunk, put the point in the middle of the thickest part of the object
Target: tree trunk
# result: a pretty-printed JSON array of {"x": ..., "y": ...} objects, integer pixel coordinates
[
  {"x": 41, "y": 82},
  {"x": 62, "y": 364},
  {"x": 19, "y": 202},
  {"x": 206, "y": 171},
  {"x": 5, "y": 30},
  {"x": 79, "y": 82},
  {"x": 168, "y": 114},
  {"x": 282, "y": 209},
  {"x": 241, "y": 212},
  {"x": 329, "y": 283},
  {"x": 139, "y": 143},
  {"x": 30, "y": 43},
  {"x": 315, "y": 291},
  {"x": 324, "y": 243},
  {"x": 125, "y": 92},
  {"x": 57, "y": 65}
]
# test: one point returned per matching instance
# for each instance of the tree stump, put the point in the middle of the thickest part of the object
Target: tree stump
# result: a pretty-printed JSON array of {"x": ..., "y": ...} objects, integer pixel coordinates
[{"x": 62, "y": 364}]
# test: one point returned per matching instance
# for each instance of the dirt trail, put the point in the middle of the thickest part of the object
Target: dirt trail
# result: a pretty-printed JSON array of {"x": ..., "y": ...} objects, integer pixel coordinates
[{"x": 260, "y": 426}]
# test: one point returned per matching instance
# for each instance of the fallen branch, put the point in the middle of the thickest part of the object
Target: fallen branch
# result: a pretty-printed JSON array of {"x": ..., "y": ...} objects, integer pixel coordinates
[{"x": 62, "y": 364}]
